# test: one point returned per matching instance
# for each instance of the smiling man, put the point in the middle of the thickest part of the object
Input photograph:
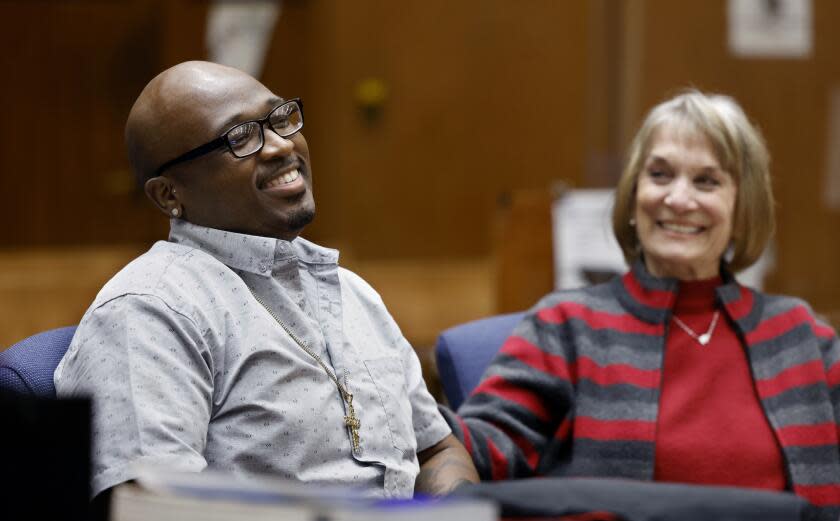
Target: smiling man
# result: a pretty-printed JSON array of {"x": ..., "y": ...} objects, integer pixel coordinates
[{"x": 237, "y": 345}]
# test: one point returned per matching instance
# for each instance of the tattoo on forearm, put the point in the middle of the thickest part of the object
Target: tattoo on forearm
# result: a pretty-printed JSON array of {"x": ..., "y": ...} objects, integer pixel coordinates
[{"x": 442, "y": 477}]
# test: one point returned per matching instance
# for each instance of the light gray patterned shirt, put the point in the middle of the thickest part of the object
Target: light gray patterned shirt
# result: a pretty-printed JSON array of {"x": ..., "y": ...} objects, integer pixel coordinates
[{"x": 188, "y": 370}]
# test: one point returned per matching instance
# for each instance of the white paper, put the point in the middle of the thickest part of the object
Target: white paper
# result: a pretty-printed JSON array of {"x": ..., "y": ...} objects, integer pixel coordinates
[
  {"x": 239, "y": 31},
  {"x": 770, "y": 28},
  {"x": 584, "y": 245},
  {"x": 755, "y": 274},
  {"x": 831, "y": 177}
]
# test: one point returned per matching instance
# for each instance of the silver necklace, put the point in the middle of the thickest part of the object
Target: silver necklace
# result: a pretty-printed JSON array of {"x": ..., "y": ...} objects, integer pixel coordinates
[
  {"x": 705, "y": 337},
  {"x": 351, "y": 421}
]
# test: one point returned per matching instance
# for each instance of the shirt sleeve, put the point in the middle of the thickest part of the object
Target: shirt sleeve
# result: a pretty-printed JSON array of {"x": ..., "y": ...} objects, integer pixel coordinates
[
  {"x": 150, "y": 375},
  {"x": 429, "y": 425},
  {"x": 427, "y": 422}
]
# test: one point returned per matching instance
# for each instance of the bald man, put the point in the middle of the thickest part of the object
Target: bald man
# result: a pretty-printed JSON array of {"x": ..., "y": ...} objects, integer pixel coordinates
[{"x": 236, "y": 344}]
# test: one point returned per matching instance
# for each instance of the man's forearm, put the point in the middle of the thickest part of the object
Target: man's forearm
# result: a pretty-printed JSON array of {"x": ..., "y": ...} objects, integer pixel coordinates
[{"x": 443, "y": 467}]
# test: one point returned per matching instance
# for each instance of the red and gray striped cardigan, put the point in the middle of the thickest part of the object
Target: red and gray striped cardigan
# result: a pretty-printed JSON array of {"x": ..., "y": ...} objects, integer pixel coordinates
[{"x": 575, "y": 389}]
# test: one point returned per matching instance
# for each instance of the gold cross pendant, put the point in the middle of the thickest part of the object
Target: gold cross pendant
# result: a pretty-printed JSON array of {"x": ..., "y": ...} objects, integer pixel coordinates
[{"x": 352, "y": 423}]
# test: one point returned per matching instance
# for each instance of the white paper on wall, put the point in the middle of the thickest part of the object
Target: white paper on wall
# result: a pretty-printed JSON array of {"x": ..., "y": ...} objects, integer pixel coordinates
[
  {"x": 770, "y": 28},
  {"x": 585, "y": 250},
  {"x": 239, "y": 32},
  {"x": 831, "y": 178},
  {"x": 755, "y": 274}
]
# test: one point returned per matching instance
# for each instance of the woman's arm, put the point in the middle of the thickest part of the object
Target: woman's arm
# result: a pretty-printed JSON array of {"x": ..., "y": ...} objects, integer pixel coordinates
[{"x": 519, "y": 411}]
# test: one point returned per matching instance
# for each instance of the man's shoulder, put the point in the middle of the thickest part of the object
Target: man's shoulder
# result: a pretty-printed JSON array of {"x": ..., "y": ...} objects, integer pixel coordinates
[
  {"x": 165, "y": 268},
  {"x": 353, "y": 282},
  {"x": 349, "y": 280},
  {"x": 352, "y": 278}
]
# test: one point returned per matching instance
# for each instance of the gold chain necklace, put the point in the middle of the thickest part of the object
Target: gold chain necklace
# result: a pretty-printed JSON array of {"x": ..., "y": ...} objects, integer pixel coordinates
[
  {"x": 351, "y": 421},
  {"x": 705, "y": 337}
]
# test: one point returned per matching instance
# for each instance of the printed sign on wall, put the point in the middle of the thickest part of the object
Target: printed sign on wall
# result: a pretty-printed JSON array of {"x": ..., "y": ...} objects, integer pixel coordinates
[{"x": 770, "y": 28}]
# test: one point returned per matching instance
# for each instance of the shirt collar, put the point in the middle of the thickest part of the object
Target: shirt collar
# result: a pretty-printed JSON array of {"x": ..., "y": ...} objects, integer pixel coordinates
[{"x": 249, "y": 253}]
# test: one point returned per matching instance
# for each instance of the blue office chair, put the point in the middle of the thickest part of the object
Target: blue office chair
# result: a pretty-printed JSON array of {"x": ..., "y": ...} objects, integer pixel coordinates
[
  {"x": 464, "y": 351},
  {"x": 28, "y": 366}
]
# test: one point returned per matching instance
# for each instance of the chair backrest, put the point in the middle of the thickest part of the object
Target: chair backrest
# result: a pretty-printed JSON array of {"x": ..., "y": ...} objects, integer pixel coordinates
[
  {"x": 28, "y": 366},
  {"x": 464, "y": 351}
]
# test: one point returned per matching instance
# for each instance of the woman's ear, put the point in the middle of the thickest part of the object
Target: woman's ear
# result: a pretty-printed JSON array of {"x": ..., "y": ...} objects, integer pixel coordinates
[{"x": 162, "y": 192}]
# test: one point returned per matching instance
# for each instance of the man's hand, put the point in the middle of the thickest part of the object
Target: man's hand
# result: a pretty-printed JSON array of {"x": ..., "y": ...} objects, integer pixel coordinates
[{"x": 443, "y": 467}]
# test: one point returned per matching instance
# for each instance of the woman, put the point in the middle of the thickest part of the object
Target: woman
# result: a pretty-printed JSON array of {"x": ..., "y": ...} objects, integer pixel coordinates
[{"x": 673, "y": 372}]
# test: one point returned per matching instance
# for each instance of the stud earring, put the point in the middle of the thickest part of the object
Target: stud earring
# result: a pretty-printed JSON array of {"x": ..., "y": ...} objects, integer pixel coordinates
[
  {"x": 175, "y": 212},
  {"x": 632, "y": 222}
]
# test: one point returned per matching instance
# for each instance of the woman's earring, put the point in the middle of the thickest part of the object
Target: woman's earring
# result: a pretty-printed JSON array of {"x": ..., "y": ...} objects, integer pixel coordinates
[
  {"x": 632, "y": 222},
  {"x": 175, "y": 212}
]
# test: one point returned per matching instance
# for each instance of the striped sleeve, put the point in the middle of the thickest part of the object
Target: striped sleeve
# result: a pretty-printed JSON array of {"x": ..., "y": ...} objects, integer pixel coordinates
[
  {"x": 830, "y": 349},
  {"x": 521, "y": 405},
  {"x": 794, "y": 380},
  {"x": 825, "y": 495}
]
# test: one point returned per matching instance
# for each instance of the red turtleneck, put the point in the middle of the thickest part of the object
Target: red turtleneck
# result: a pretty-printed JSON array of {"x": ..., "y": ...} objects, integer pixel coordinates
[{"x": 711, "y": 428}]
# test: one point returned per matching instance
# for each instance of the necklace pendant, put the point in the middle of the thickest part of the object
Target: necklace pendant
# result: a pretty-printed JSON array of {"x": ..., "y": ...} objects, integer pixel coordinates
[
  {"x": 705, "y": 337},
  {"x": 353, "y": 424}
]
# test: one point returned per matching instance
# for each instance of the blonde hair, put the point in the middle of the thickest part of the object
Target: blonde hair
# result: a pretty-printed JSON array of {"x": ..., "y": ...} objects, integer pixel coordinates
[{"x": 740, "y": 149}]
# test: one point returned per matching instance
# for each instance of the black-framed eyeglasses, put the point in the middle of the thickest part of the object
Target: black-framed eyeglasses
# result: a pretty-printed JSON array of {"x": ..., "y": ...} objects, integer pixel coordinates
[{"x": 245, "y": 139}]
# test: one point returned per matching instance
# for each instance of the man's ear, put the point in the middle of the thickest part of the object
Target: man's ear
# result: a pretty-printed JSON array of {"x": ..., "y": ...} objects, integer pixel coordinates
[{"x": 162, "y": 192}]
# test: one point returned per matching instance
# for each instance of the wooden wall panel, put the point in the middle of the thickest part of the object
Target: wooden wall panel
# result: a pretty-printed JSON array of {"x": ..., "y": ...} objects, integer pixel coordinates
[
  {"x": 483, "y": 98},
  {"x": 71, "y": 73},
  {"x": 524, "y": 261},
  {"x": 45, "y": 288}
]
